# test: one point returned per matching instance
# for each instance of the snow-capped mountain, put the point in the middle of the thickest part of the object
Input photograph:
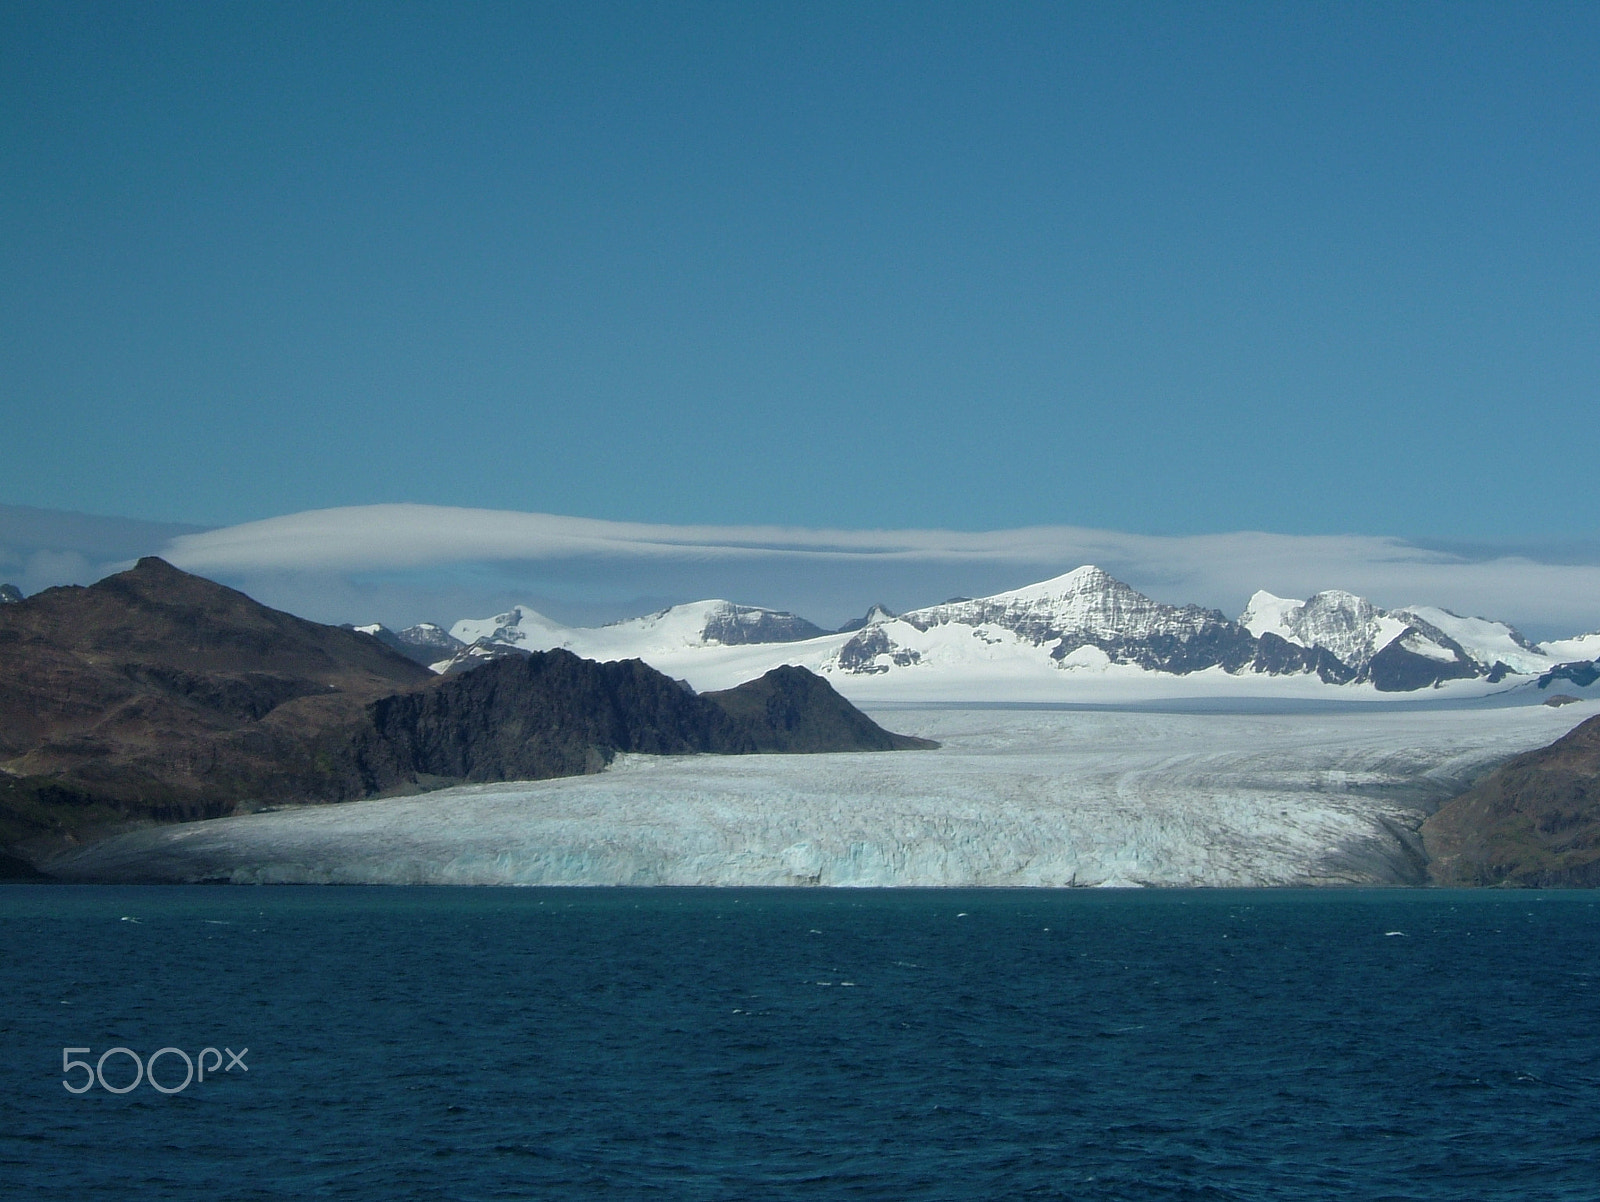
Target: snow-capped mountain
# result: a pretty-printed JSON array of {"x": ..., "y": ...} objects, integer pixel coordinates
[
  {"x": 696, "y": 625},
  {"x": 1087, "y": 617},
  {"x": 1397, "y": 651},
  {"x": 1089, "y": 608},
  {"x": 425, "y": 643},
  {"x": 1081, "y": 635},
  {"x": 1567, "y": 651},
  {"x": 519, "y": 627},
  {"x": 1486, "y": 641},
  {"x": 1362, "y": 635},
  {"x": 1351, "y": 627}
]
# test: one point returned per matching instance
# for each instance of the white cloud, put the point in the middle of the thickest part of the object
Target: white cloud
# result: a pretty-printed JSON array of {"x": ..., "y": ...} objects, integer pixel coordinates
[
  {"x": 386, "y": 537},
  {"x": 844, "y": 570}
]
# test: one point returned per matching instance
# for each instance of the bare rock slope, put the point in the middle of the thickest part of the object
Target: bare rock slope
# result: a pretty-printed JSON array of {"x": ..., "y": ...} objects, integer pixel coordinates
[{"x": 1534, "y": 821}]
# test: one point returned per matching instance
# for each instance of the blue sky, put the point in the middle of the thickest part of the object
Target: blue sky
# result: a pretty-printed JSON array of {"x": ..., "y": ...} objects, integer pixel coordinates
[
  {"x": 1307, "y": 269},
  {"x": 1113, "y": 283}
]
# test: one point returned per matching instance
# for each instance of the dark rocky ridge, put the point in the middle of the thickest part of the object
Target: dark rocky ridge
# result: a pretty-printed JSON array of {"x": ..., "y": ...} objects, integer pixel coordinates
[
  {"x": 1394, "y": 669},
  {"x": 157, "y": 695},
  {"x": 551, "y": 713},
  {"x": 1583, "y": 673},
  {"x": 1277, "y": 656},
  {"x": 793, "y": 710},
  {"x": 1534, "y": 822}
]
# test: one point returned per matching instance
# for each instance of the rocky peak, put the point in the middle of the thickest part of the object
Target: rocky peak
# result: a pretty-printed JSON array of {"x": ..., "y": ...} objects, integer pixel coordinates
[
  {"x": 1090, "y": 607},
  {"x": 1087, "y": 602},
  {"x": 736, "y": 625},
  {"x": 875, "y": 616},
  {"x": 425, "y": 643}
]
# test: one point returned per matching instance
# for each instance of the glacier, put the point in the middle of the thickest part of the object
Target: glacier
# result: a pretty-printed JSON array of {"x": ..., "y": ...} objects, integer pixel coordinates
[{"x": 1016, "y": 796}]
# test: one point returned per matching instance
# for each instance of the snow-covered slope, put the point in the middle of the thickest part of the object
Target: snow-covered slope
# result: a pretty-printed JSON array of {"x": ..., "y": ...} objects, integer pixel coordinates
[
  {"x": 1269, "y": 614},
  {"x": 520, "y": 627},
  {"x": 697, "y": 625},
  {"x": 1566, "y": 651},
  {"x": 1486, "y": 641}
]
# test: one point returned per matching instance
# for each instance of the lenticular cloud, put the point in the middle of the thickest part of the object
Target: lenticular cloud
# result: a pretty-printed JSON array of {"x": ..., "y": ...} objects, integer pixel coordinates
[{"x": 1213, "y": 569}]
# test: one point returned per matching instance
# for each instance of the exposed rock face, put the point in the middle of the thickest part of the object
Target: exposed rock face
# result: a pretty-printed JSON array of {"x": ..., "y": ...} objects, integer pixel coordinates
[
  {"x": 10, "y": 594},
  {"x": 480, "y": 653},
  {"x": 533, "y": 716},
  {"x": 735, "y": 625},
  {"x": 1535, "y": 821},
  {"x": 1397, "y": 668},
  {"x": 1348, "y": 626},
  {"x": 1275, "y": 656},
  {"x": 428, "y": 639},
  {"x": 861, "y": 653}
]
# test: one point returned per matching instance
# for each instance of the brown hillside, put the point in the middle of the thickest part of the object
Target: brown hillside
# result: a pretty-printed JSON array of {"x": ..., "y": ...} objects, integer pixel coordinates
[
  {"x": 154, "y": 693},
  {"x": 1535, "y": 821}
]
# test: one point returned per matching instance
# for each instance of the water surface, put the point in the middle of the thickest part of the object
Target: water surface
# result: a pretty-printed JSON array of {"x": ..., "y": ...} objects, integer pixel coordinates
[{"x": 735, "y": 1044}]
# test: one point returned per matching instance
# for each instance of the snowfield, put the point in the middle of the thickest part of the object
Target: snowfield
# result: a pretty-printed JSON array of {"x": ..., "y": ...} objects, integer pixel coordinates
[{"x": 1016, "y": 796}]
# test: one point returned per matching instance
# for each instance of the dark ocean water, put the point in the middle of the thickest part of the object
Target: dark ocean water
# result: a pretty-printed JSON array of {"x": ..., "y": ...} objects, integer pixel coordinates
[{"x": 746, "y": 1044}]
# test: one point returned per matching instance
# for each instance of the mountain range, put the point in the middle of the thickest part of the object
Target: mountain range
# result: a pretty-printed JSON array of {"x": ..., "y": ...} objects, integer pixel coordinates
[
  {"x": 1076, "y": 635},
  {"x": 155, "y": 695}
]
